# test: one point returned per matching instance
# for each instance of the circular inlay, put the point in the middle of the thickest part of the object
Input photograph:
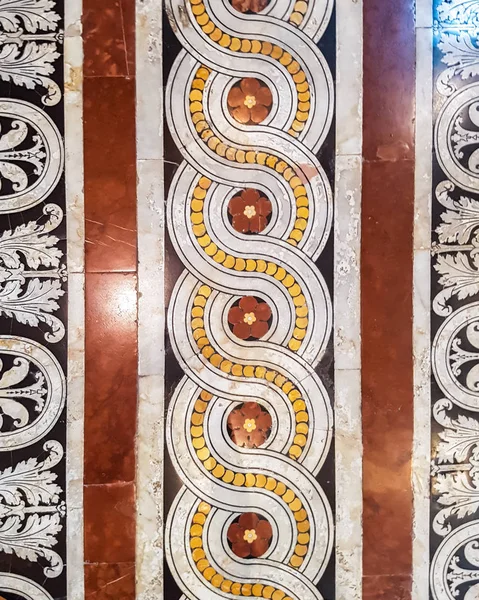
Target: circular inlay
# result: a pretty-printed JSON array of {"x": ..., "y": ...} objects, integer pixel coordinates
[
  {"x": 249, "y": 211},
  {"x": 249, "y": 318},
  {"x": 249, "y": 535},
  {"x": 250, "y": 101},
  {"x": 249, "y": 6},
  {"x": 249, "y": 425}
]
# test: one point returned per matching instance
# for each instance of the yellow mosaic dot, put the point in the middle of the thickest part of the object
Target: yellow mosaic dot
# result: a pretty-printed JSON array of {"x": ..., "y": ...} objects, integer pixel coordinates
[
  {"x": 303, "y": 538},
  {"x": 217, "y": 580},
  {"x": 197, "y": 419},
  {"x": 303, "y": 527},
  {"x": 236, "y": 588},
  {"x": 228, "y": 476},
  {"x": 219, "y": 471},
  {"x": 202, "y": 565},
  {"x": 296, "y": 505},
  {"x": 270, "y": 484},
  {"x": 204, "y": 508},
  {"x": 296, "y": 561},
  {"x": 208, "y": 573},
  {"x": 203, "y": 454},
  {"x": 300, "y": 440},
  {"x": 260, "y": 480},
  {"x": 198, "y": 554},
  {"x": 239, "y": 479},
  {"x": 196, "y": 531}
]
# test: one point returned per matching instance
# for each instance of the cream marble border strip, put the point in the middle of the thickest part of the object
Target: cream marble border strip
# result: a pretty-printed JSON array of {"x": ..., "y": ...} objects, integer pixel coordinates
[
  {"x": 422, "y": 301},
  {"x": 347, "y": 307},
  {"x": 73, "y": 65},
  {"x": 151, "y": 309}
]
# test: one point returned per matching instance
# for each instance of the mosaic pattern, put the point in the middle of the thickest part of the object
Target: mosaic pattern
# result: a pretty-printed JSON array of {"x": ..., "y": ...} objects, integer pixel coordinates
[
  {"x": 33, "y": 275},
  {"x": 455, "y": 316},
  {"x": 249, "y": 104}
]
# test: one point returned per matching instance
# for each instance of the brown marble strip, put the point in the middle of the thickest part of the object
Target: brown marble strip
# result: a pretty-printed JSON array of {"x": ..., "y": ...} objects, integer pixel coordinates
[
  {"x": 111, "y": 298},
  {"x": 386, "y": 288}
]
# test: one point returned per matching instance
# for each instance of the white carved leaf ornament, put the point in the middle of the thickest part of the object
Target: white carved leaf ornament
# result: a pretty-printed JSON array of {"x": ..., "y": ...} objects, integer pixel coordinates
[{"x": 33, "y": 15}]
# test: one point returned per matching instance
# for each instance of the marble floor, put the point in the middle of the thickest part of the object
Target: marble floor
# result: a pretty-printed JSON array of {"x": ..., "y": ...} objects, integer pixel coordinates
[{"x": 239, "y": 311}]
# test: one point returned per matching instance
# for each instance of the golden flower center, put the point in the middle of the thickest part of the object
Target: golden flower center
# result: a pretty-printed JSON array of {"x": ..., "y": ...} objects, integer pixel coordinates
[
  {"x": 249, "y": 318},
  {"x": 249, "y": 425},
  {"x": 250, "y": 101},
  {"x": 250, "y": 536},
  {"x": 249, "y": 211}
]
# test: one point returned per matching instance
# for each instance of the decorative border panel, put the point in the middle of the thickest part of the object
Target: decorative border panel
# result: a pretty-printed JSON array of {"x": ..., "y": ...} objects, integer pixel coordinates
[
  {"x": 250, "y": 426},
  {"x": 447, "y": 201},
  {"x": 249, "y": 193},
  {"x": 36, "y": 258}
]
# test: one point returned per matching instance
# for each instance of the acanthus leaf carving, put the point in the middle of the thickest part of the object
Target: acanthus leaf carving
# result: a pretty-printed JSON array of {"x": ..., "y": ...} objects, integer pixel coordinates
[
  {"x": 459, "y": 11},
  {"x": 459, "y": 495},
  {"x": 32, "y": 242},
  {"x": 30, "y": 296},
  {"x": 31, "y": 510},
  {"x": 457, "y": 253},
  {"x": 462, "y": 57},
  {"x": 459, "y": 437},
  {"x": 30, "y": 66},
  {"x": 459, "y": 277},
  {"x": 33, "y": 15}
]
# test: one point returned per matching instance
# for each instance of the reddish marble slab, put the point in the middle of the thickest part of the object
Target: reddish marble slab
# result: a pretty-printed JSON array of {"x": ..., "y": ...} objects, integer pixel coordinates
[
  {"x": 111, "y": 377},
  {"x": 387, "y": 377},
  {"x": 109, "y": 523},
  {"x": 105, "y": 38},
  {"x": 111, "y": 297},
  {"x": 110, "y": 174},
  {"x": 389, "y": 79},
  {"x": 110, "y": 581},
  {"x": 387, "y": 587}
]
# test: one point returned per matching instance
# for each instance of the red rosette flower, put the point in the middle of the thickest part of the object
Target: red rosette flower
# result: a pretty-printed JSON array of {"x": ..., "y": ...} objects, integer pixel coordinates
[
  {"x": 251, "y": 536},
  {"x": 250, "y": 211},
  {"x": 250, "y": 318},
  {"x": 250, "y": 101},
  {"x": 249, "y": 425},
  {"x": 254, "y": 6}
]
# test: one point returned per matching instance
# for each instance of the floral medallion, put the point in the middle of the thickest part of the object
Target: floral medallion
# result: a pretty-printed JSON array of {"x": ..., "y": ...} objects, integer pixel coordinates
[
  {"x": 249, "y": 318},
  {"x": 250, "y": 535},
  {"x": 250, "y": 211},
  {"x": 250, "y": 101},
  {"x": 249, "y": 6},
  {"x": 249, "y": 425}
]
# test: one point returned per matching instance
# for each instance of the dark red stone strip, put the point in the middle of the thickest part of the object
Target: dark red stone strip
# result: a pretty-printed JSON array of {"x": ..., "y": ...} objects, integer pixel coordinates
[
  {"x": 111, "y": 298},
  {"x": 386, "y": 289}
]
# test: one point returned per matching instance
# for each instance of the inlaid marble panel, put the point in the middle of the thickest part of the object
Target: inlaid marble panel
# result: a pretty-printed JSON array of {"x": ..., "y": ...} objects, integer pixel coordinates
[
  {"x": 36, "y": 199},
  {"x": 261, "y": 206},
  {"x": 446, "y": 306}
]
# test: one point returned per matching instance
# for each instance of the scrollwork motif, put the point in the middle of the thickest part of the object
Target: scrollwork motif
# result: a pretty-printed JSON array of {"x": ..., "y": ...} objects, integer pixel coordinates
[
  {"x": 32, "y": 392},
  {"x": 23, "y": 123},
  {"x": 455, "y": 347},
  {"x": 28, "y": 45},
  {"x": 29, "y": 292},
  {"x": 31, "y": 510}
]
